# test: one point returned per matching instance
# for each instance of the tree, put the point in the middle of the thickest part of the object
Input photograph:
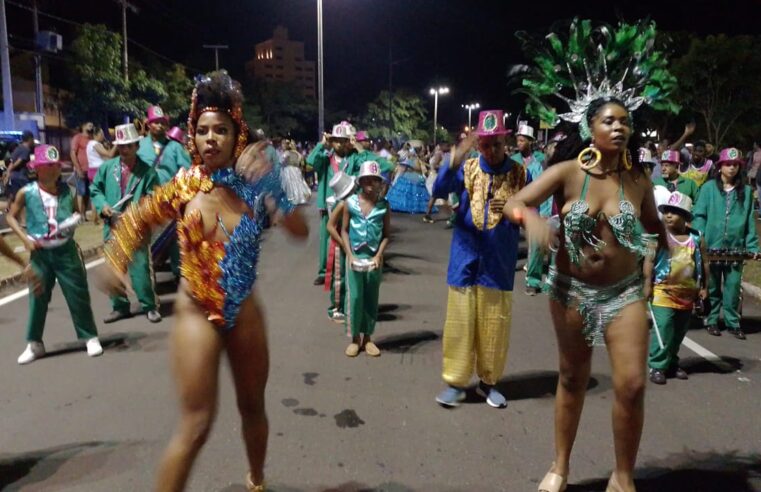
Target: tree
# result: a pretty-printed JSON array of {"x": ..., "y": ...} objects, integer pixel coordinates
[
  {"x": 178, "y": 87},
  {"x": 718, "y": 78},
  {"x": 282, "y": 106},
  {"x": 98, "y": 90},
  {"x": 403, "y": 113}
]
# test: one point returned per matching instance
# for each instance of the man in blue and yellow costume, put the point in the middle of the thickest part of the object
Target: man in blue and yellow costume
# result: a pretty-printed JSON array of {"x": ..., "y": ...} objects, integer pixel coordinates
[{"x": 481, "y": 262}]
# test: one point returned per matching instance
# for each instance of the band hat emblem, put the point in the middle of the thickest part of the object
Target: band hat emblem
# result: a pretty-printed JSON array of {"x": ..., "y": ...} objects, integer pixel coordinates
[
  {"x": 52, "y": 153},
  {"x": 126, "y": 134}
]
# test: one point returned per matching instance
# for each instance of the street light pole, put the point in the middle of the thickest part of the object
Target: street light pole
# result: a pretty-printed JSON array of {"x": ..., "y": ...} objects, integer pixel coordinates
[
  {"x": 5, "y": 61},
  {"x": 124, "y": 4},
  {"x": 216, "y": 48},
  {"x": 320, "y": 85},
  {"x": 435, "y": 93},
  {"x": 470, "y": 107},
  {"x": 37, "y": 64}
]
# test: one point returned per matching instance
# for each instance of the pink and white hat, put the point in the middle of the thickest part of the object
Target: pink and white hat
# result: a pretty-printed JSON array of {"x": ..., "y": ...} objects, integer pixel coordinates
[
  {"x": 730, "y": 154},
  {"x": 678, "y": 201},
  {"x": 126, "y": 134},
  {"x": 176, "y": 134},
  {"x": 491, "y": 123},
  {"x": 155, "y": 113},
  {"x": 44, "y": 155},
  {"x": 369, "y": 168},
  {"x": 343, "y": 130},
  {"x": 671, "y": 156}
]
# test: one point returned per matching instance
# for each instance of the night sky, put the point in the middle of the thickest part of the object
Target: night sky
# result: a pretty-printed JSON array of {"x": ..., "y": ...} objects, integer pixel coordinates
[{"x": 464, "y": 44}]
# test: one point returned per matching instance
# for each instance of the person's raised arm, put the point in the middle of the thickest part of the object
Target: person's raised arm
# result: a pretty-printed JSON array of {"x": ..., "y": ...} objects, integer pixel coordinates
[{"x": 689, "y": 129}]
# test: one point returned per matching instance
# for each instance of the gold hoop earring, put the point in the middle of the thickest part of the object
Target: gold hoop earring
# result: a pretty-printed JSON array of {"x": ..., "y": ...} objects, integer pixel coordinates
[
  {"x": 627, "y": 158},
  {"x": 589, "y": 158}
]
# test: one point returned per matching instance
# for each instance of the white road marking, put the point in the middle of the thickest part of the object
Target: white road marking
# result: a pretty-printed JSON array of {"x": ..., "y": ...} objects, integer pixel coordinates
[
  {"x": 701, "y": 351},
  {"x": 24, "y": 292}
]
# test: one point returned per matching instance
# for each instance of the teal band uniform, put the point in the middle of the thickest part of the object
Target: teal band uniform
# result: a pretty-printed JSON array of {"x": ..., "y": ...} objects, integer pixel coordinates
[{"x": 63, "y": 264}]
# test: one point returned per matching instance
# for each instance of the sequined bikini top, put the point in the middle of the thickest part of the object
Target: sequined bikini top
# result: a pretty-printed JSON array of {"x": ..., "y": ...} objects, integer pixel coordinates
[{"x": 579, "y": 228}]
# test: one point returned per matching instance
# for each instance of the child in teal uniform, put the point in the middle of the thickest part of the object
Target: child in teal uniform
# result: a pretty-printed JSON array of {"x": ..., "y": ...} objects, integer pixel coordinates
[
  {"x": 724, "y": 214},
  {"x": 679, "y": 276},
  {"x": 51, "y": 216},
  {"x": 342, "y": 186},
  {"x": 365, "y": 232}
]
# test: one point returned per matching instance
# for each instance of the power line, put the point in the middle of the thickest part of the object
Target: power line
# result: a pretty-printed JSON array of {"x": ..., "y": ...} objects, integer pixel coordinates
[{"x": 80, "y": 24}]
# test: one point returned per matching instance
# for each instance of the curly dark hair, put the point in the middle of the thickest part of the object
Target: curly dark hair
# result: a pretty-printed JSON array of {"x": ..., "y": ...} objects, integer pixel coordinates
[{"x": 218, "y": 89}]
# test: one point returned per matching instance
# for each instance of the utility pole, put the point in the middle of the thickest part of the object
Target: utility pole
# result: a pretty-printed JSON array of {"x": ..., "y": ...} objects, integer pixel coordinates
[
  {"x": 5, "y": 61},
  {"x": 37, "y": 64},
  {"x": 216, "y": 48},
  {"x": 320, "y": 85},
  {"x": 126, "y": 4}
]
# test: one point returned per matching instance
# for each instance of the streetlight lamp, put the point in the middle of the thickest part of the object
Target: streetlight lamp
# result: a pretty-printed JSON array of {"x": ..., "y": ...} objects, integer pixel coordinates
[
  {"x": 470, "y": 107},
  {"x": 435, "y": 93}
]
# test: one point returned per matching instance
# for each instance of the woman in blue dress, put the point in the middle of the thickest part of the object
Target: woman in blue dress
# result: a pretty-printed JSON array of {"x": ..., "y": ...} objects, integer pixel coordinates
[{"x": 409, "y": 194}]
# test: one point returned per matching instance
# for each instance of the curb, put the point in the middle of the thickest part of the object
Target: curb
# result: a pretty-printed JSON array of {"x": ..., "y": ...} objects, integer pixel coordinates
[
  {"x": 15, "y": 280},
  {"x": 752, "y": 291}
]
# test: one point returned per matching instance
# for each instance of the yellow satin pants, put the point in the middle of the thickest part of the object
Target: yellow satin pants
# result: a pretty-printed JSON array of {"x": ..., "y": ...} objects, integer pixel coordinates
[{"x": 477, "y": 330}]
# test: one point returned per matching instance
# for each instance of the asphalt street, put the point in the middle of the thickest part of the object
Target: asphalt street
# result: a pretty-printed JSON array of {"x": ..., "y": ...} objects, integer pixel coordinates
[{"x": 72, "y": 423}]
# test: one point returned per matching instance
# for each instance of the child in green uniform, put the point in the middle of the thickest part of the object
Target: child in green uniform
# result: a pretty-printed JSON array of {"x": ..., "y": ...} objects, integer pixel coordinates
[
  {"x": 365, "y": 232},
  {"x": 724, "y": 214},
  {"x": 680, "y": 276},
  {"x": 342, "y": 186},
  {"x": 51, "y": 216}
]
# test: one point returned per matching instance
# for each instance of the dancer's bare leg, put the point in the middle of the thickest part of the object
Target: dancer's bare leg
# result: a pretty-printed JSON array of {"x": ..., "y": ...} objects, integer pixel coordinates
[
  {"x": 575, "y": 358},
  {"x": 249, "y": 360},
  {"x": 627, "y": 340},
  {"x": 196, "y": 346}
]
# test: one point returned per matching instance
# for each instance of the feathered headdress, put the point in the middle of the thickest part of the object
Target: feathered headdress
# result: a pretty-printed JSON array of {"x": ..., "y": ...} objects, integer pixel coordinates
[{"x": 594, "y": 63}]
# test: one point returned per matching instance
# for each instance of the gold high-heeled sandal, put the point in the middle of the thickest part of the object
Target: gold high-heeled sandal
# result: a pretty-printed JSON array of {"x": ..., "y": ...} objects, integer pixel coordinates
[
  {"x": 252, "y": 487},
  {"x": 552, "y": 482}
]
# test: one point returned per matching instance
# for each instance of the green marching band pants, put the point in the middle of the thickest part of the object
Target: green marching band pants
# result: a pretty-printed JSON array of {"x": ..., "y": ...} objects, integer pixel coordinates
[
  {"x": 672, "y": 325},
  {"x": 726, "y": 295},
  {"x": 364, "y": 291},
  {"x": 141, "y": 277},
  {"x": 65, "y": 265},
  {"x": 324, "y": 238}
]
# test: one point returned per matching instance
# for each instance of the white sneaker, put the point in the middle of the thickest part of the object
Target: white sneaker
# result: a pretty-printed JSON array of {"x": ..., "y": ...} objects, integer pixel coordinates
[
  {"x": 93, "y": 347},
  {"x": 34, "y": 350}
]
